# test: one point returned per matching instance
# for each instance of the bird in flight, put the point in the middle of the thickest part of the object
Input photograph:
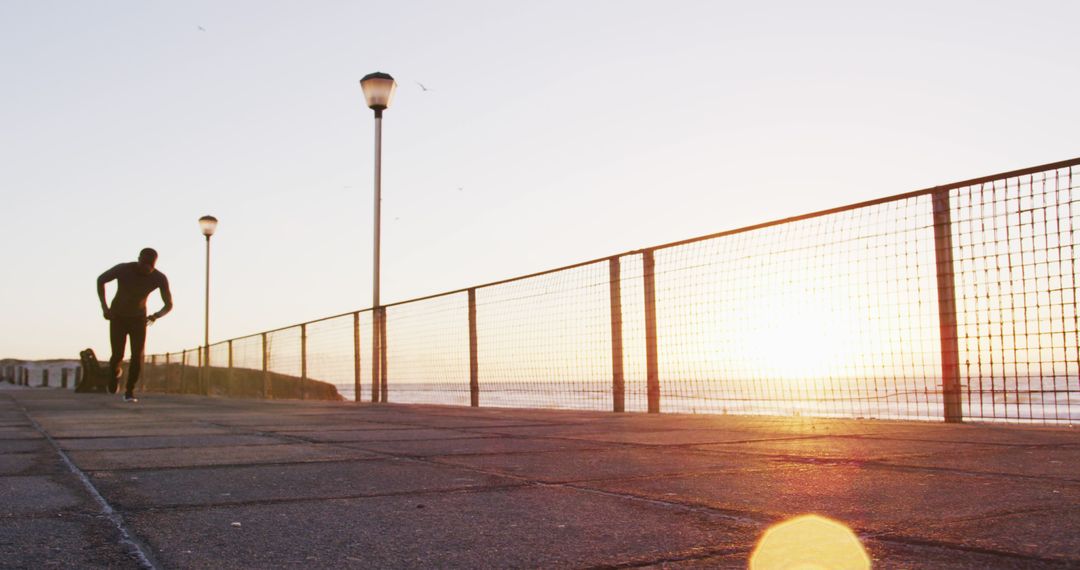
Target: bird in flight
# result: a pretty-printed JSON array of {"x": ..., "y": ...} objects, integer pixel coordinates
[
  {"x": 422, "y": 87},
  {"x": 201, "y": 29}
]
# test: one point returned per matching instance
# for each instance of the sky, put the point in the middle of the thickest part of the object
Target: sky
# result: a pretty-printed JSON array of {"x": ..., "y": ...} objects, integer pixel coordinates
[{"x": 550, "y": 133}]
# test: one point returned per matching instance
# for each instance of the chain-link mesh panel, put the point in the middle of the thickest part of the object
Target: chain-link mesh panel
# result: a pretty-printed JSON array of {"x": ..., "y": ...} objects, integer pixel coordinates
[
  {"x": 833, "y": 315},
  {"x": 283, "y": 351},
  {"x": 427, "y": 351},
  {"x": 189, "y": 372},
  {"x": 1016, "y": 241},
  {"x": 219, "y": 355},
  {"x": 284, "y": 362},
  {"x": 247, "y": 353},
  {"x": 545, "y": 341},
  {"x": 331, "y": 354}
]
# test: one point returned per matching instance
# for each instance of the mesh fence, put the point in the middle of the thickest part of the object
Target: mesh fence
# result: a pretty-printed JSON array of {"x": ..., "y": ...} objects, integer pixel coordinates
[
  {"x": 427, "y": 346},
  {"x": 834, "y": 315},
  {"x": 247, "y": 352},
  {"x": 219, "y": 355},
  {"x": 955, "y": 302},
  {"x": 1016, "y": 286},
  {"x": 283, "y": 351},
  {"x": 331, "y": 354},
  {"x": 544, "y": 341}
]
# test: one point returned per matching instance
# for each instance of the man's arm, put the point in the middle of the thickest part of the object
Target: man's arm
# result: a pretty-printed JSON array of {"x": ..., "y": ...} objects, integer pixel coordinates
[
  {"x": 166, "y": 297},
  {"x": 102, "y": 279}
]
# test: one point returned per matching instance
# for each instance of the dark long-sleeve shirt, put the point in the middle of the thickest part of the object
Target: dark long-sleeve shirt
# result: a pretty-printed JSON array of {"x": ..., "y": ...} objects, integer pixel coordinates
[{"x": 133, "y": 287}]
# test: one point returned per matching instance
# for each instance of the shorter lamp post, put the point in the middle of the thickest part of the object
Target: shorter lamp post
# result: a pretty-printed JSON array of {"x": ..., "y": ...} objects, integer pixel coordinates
[{"x": 208, "y": 224}]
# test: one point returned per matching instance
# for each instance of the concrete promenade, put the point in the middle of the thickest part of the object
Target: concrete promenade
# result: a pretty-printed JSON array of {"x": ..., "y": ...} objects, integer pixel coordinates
[{"x": 87, "y": 481}]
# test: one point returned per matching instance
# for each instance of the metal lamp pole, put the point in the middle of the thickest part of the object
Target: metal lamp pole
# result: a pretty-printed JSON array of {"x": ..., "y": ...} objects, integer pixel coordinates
[
  {"x": 378, "y": 90},
  {"x": 208, "y": 225}
]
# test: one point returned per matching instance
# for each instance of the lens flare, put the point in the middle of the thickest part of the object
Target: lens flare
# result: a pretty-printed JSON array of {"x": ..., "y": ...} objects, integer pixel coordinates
[{"x": 809, "y": 542}]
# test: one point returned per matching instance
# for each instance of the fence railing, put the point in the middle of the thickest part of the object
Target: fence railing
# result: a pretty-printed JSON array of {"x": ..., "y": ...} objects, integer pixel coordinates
[{"x": 949, "y": 303}]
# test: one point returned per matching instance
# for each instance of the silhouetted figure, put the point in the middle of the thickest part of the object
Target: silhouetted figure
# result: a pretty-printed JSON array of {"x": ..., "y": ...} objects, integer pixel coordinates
[{"x": 127, "y": 314}]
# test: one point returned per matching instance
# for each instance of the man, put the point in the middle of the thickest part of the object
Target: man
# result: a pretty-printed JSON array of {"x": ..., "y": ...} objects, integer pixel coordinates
[{"x": 127, "y": 314}]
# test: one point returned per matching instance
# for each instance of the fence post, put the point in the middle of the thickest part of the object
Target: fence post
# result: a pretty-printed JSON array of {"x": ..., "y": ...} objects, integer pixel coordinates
[
  {"x": 474, "y": 364},
  {"x": 383, "y": 388},
  {"x": 166, "y": 375},
  {"x": 44, "y": 377},
  {"x": 200, "y": 386},
  {"x": 651, "y": 366},
  {"x": 618, "y": 382},
  {"x": 267, "y": 385},
  {"x": 230, "y": 380},
  {"x": 356, "y": 356},
  {"x": 375, "y": 382},
  {"x": 303, "y": 361},
  {"x": 946, "y": 286},
  {"x": 63, "y": 377},
  {"x": 183, "y": 371}
]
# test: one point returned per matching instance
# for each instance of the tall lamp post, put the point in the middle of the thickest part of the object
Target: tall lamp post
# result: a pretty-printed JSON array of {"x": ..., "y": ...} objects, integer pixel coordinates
[
  {"x": 208, "y": 225},
  {"x": 378, "y": 90}
]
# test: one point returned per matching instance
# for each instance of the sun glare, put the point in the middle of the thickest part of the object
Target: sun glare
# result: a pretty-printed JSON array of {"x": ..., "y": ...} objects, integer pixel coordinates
[{"x": 809, "y": 542}]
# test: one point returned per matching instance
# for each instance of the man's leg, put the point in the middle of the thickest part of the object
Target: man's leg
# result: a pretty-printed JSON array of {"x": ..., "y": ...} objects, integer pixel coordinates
[
  {"x": 137, "y": 331},
  {"x": 117, "y": 338}
]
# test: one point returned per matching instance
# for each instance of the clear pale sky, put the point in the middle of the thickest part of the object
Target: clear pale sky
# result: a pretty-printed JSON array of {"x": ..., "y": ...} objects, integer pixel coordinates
[{"x": 553, "y": 132}]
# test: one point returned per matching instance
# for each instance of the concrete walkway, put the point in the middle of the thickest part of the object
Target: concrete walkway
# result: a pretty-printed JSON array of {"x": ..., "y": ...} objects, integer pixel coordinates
[{"x": 87, "y": 481}]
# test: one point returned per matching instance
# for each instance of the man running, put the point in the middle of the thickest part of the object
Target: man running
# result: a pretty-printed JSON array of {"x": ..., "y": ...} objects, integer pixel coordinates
[{"x": 127, "y": 314}]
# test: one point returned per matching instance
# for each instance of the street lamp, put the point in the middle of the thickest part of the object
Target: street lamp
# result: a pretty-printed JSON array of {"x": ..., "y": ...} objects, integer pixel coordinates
[
  {"x": 378, "y": 91},
  {"x": 208, "y": 225}
]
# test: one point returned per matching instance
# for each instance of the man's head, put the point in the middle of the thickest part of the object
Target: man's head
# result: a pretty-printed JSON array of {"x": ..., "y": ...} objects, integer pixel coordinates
[{"x": 147, "y": 259}]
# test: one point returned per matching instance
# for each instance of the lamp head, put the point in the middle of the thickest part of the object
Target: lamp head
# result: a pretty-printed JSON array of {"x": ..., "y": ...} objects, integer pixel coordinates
[
  {"x": 208, "y": 225},
  {"x": 378, "y": 90}
]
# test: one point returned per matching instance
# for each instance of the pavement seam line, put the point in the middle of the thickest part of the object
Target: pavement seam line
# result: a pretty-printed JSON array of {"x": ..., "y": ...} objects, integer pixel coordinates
[
  {"x": 914, "y": 541},
  {"x": 298, "y": 500},
  {"x": 127, "y": 537}
]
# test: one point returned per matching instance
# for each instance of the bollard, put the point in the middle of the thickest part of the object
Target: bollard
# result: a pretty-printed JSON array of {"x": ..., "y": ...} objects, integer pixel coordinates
[
  {"x": 63, "y": 377},
  {"x": 78, "y": 376},
  {"x": 44, "y": 378}
]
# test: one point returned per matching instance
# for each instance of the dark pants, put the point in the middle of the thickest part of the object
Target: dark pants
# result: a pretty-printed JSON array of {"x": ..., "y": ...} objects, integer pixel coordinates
[{"x": 120, "y": 328}]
